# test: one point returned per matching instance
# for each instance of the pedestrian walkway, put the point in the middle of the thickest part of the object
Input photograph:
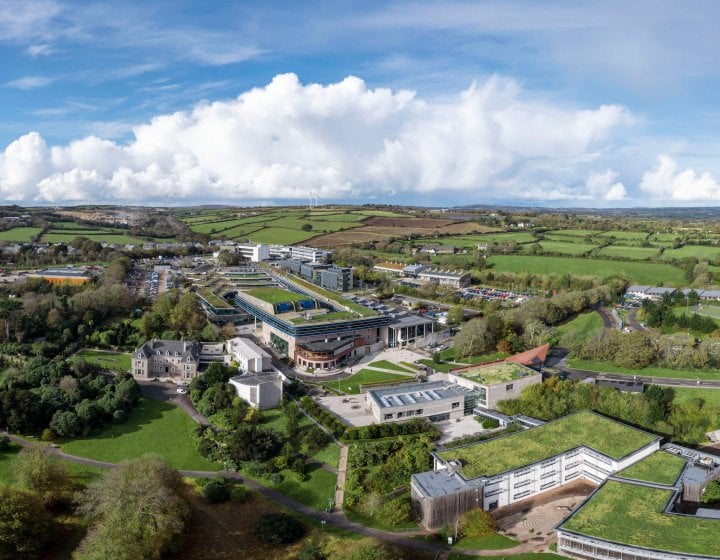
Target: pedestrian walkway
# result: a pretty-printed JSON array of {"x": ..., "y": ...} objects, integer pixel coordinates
[{"x": 342, "y": 472}]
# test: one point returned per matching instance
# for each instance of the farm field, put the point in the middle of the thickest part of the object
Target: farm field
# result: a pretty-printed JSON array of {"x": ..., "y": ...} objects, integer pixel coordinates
[
  {"x": 154, "y": 426},
  {"x": 116, "y": 361},
  {"x": 20, "y": 234},
  {"x": 466, "y": 241},
  {"x": 699, "y": 251},
  {"x": 629, "y": 252},
  {"x": 280, "y": 236},
  {"x": 566, "y": 248},
  {"x": 573, "y": 232},
  {"x": 67, "y": 236},
  {"x": 639, "y": 273},
  {"x": 629, "y": 236}
]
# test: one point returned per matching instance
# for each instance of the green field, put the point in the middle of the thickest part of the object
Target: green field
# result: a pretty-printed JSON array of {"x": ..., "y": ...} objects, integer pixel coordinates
[
  {"x": 471, "y": 241},
  {"x": 351, "y": 385},
  {"x": 583, "y": 327},
  {"x": 20, "y": 234},
  {"x": 153, "y": 427},
  {"x": 627, "y": 236},
  {"x": 632, "y": 514},
  {"x": 628, "y": 252},
  {"x": 114, "y": 238},
  {"x": 116, "y": 361},
  {"x": 566, "y": 248},
  {"x": 281, "y": 236},
  {"x": 652, "y": 274},
  {"x": 660, "y": 467},
  {"x": 710, "y": 396},
  {"x": 501, "y": 454},
  {"x": 495, "y": 541},
  {"x": 698, "y": 251},
  {"x": 645, "y": 372}
]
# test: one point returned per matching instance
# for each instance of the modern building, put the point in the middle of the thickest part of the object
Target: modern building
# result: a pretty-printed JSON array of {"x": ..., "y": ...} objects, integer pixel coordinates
[
  {"x": 454, "y": 278},
  {"x": 261, "y": 390},
  {"x": 328, "y": 276},
  {"x": 62, "y": 275},
  {"x": 248, "y": 355},
  {"x": 437, "y": 401},
  {"x": 648, "y": 511},
  {"x": 507, "y": 469},
  {"x": 407, "y": 328},
  {"x": 327, "y": 353},
  {"x": 495, "y": 382},
  {"x": 253, "y": 252},
  {"x": 310, "y": 254},
  {"x": 390, "y": 268},
  {"x": 177, "y": 360}
]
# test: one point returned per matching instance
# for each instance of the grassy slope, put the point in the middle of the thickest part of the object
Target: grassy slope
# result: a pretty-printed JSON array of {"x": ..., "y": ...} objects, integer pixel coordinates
[
  {"x": 648, "y": 371},
  {"x": 583, "y": 327},
  {"x": 153, "y": 427}
]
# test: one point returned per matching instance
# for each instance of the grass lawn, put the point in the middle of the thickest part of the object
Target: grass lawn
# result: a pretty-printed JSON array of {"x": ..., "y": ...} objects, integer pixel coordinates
[
  {"x": 627, "y": 252},
  {"x": 153, "y": 427},
  {"x": 592, "y": 365},
  {"x": 7, "y": 464},
  {"x": 315, "y": 491},
  {"x": 116, "y": 361},
  {"x": 710, "y": 396},
  {"x": 385, "y": 364},
  {"x": 659, "y": 467},
  {"x": 501, "y": 454},
  {"x": 632, "y": 514},
  {"x": 19, "y": 234},
  {"x": 330, "y": 455},
  {"x": 452, "y": 363},
  {"x": 638, "y": 272},
  {"x": 699, "y": 251},
  {"x": 81, "y": 474},
  {"x": 351, "y": 385},
  {"x": 495, "y": 541},
  {"x": 583, "y": 327}
]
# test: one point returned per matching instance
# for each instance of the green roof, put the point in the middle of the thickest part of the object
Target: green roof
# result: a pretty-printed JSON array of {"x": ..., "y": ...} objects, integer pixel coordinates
[
  {"x": 495, "y": 373},
  {"x": 276, "y": 295},
  {"x": 632, "y": 514},
  {"x": 213, "y": 299},
  {"x": 505, "y": 453},
  {"x": 660, "y": 467}
]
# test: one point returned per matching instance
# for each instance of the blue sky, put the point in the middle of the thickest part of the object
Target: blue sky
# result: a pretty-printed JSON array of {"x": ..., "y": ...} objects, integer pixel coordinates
[{"x": 550, "y": 103}]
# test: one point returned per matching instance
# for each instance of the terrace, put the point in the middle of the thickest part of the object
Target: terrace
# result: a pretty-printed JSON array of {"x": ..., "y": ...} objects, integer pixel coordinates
[
  {"x": 633, "y": 514},
  {"x": 583, "y": 429},
  {"x": 495, "y": 373}
]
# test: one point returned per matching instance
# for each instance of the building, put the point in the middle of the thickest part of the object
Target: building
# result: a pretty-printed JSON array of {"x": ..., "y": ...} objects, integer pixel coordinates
[
  {"x": 327, "y": 353},
  {"x": 253, "y": 252},
  {"x": 454, "y": 278},
  {"x": 328, "y": 276},
  {"x": 177, "y": 360},
  {"x": 507, "y": 469},
  {"x": 310, "y": 254},
  {"x": 495, "y": 382},
  {"x": 407, "y": 328},
  {"x": 436, "y": 249},
  {"x": 248, "y": 355},
  {"x": 62, "y": 275},
  {"x": 261, "y": 390},
  {"x": 437, "y": 401},
  {"x": 395, "y": 269},
  {"x": 648, "y": 512}
]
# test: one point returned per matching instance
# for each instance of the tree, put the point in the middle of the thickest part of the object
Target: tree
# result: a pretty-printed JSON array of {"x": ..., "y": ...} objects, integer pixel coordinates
[
  {"x": 306, "y": 227},
  {"x": 455, "y": 315},
  {"x": 25, "y": 525},
  {"x": 65, "y": 424},
  {"x": 43, "y": 476},
  {"x": 477, "y": 523},
  {"x": 473, "y": 339},
  {"x": 137, "y": 512},
  {"x": 215, "y": 491},
  {"x": 278, "y": 528}
]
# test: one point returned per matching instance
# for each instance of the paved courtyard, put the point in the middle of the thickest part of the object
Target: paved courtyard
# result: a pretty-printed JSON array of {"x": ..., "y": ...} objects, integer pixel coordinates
[{"x": 352, "y": 409}]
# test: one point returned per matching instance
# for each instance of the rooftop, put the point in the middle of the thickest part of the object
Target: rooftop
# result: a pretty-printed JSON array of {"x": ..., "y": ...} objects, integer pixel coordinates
[
  {"x": 276, "y": 295},
  {"x": 494, "y": 456},
  {"x": 632, "y": 514},
  {"x": 444, "y": 273},
  {"x": 660, "y": 468},
  {"x": 492, "y": 374},
  {"x": 256, "y": 379},
  {"x": 213, "y": 299},
  {"x": 391, "y": 265},
  {"x": 419, "y": 393}
]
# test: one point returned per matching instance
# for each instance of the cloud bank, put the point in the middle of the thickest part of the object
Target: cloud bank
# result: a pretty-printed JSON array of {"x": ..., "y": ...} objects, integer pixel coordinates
[{"x": 341, "y": 140}]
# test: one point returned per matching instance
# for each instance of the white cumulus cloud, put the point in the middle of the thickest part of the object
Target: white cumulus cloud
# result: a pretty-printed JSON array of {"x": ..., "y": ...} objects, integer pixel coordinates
[
  {"x": 668, "y": 182},
  {"x": 342, "y": 140}
]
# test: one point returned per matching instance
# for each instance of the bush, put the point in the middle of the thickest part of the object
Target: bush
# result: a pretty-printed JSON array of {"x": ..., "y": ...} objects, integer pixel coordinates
[
  {"x": 395, "y": 512},
  {"x": 5, "y": 443},
  {"x": 47, "y": 435},
  {"x": 278, "y": 528},
  {"x": 215, "y": 491},
  {"x": 477, "y": 523},
  {"x": 490, "y": 423},
  {"x": 238, "y": 493}
]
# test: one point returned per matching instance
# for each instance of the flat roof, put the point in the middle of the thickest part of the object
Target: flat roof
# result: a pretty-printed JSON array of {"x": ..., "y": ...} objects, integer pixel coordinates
[
  {"x": 390, "y": 265},
  {"x": 418, "y": 393},
  {"x": 660, "y": 467},
  {"x": 255, "y": 379},
  {"x": 492, "y": 457},
  {"x": 248, "y": 348},
  {"x": 492, "y": 374},
  {"x": 632, "y": 514},
  {"x": 276, "y": 295},
  {"x": 440, "y": 483},
  {"x": 64, "y": 272}
]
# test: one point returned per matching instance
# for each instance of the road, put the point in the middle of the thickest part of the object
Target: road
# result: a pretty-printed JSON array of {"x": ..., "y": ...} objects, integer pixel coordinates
[
  {"x": 633, "y": 322},
  {"x": 665, "y": 381}
]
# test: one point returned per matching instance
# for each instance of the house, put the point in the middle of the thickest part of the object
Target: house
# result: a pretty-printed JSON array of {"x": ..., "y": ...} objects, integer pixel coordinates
[
  {"x": 435, "y": 249},
  {"x": 261, "y": 390},
  {"x": 248, "y": 355},
  {"x": 176, "y": 360}
]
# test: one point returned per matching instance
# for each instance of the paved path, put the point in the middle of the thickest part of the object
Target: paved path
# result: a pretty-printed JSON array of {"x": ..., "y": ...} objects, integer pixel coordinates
[
  {"x": 167, "y": 391},
  {"x": 664, "y": 381},
  {"x": 632, "y": 320},
  {"x": 342, "y": 473}
]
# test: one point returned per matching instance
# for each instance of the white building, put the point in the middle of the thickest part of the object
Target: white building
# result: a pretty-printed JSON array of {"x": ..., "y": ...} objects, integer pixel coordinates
[
  {"x": 310, "y": 254},
  {"x": 261, "y": 390},
  {"x": 253, "y": 252},
  {"x": 437, "y": 401},
  {"x": 454, "y": 278},
  {"x": 248, "y": 355}
]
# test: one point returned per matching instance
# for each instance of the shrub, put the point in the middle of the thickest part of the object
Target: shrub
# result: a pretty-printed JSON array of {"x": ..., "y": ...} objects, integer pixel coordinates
[
  {"x": 477, "y": 523},
  {"x": 395, "y": 512},
  {"x": 5, "y": 443},
  {"x": 490, "y": 423},
  {"x": 215, "y": 491},
  {"x": 278, "y": 528},
  {"x": 238, "y": 493}
]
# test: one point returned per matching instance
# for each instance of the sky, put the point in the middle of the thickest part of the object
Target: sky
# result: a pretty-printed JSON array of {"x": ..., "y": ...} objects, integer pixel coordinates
[{"x": 552, "y": 103}]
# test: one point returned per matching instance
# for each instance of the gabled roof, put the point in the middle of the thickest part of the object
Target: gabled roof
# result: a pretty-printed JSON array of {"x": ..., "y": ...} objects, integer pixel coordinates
[{"x": 533, "y": 358}]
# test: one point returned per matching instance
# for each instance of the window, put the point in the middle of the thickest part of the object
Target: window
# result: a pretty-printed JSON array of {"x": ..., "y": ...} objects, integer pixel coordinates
[
  {"x": 419, "y": 411},
  {"x": 388, "y": 417},
  {"x": 455, "y": 405},
  {"x": 509, "y": 387}
]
